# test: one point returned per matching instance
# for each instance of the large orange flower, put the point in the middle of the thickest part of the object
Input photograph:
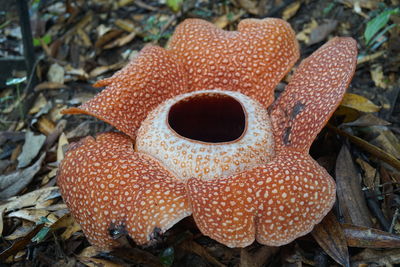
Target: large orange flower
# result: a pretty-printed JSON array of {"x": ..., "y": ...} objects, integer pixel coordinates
[{"x": 197, "y": 138}]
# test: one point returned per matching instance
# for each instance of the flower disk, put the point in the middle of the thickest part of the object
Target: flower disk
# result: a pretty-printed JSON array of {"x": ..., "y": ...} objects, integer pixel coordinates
[{"x": 217, "y": 117}]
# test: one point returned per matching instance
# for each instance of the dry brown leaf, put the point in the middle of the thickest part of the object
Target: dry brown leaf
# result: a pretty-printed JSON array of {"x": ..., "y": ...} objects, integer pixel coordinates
[
  {"x": 71, "y": 229},
  {"x": 56, "y": 73},
  {"x": 386, "y": 140},
  {"x": 291, "y": 10},
  {"x": 369, "y": 4},
  {"x": 359, "y": 103},
  {"x": 13, "y": 183},
  {"x": 68, "y": 222},
  {"x": 366, "y": 120},
  {"x": 45, "y": 126},
  {"x": 330, "y": 237},
  {"x": 123, "y": 40},
  {"x": 365, "y": 237},
  {"x": 32, "y": 215},
  {"x": 103, "y": 69},
  {"x": 257, "y": 258},
  {"x": 90, "y": 251},
  {"x": 61, "y": 147},
  {"x": 37, "y": 198},
  {"x": 378, "y": 77},
  {"x": 321, "y": 32},
  {"x": 370, "y": 177},
  {"x": 250, "y": 6},
  {"x": 350, "y": 196},
  {"x": 373, "y": 150},
  {"x": 84, "y": 37},
  {"x": 33, "y": 144},
  {"x": 21, "y": 231},
  {"x": 49, "y": 85},
  {"x": 40, "y": 102},
  {"x": 20, "y": 244},
  {"x": 95, "y": 262},
  {"x": 376, "y": 257},
  {"x": 107, "y": 37},
  {"x": 370, "y": 57},
  {"x": 307, "y": 29},
  {"x": 223, "y": 21},
  {"x": 49, "y": 176},
  {"x": 192, "y": 246},
  {"x": 125, "y": 25}
]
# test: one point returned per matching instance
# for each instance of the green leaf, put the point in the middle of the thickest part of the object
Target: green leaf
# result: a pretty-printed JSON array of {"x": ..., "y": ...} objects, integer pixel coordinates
[
  {"x": 14, "y": 81},
  {"x": 41, "y": 235},
  {"x": 377, "y": 23},
  {"x": 167, "y": 256},
  {"x": 175, "y": 5},
  {"x": 45, "y": 39}
]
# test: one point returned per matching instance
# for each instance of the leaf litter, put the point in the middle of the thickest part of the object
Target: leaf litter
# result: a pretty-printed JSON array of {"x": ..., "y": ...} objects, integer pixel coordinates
[{"x": 81, "y": 43}]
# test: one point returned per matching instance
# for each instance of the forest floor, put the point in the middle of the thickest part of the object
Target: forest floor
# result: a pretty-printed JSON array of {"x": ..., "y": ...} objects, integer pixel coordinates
[{"x": 80, "y": 42}]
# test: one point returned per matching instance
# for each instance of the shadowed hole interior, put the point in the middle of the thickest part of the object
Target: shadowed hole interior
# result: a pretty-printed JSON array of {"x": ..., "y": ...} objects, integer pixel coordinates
[{"x": 208, "y": 117}]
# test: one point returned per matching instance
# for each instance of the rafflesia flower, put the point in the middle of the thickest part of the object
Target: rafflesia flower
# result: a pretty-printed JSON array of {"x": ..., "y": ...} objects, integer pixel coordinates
[{"x": 197, "y": 138}]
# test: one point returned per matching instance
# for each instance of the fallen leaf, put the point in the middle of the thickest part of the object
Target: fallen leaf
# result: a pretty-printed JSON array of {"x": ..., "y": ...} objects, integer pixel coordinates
[
  {"x": 378, "y": 77},
  {"x": 84, "y": 37},
  {"x": 20, "y": 244},
  {"x": 193, "y": 247},
  {"x": 386, "y": 140},
  {"x": 350, "y": 196},
  {"x": 370, "y": 178},
  {"x": 103, "y": 69},
  {"x": 49, "y": 85},
  {"x": 141, "y": 257},
  {"x": 321, "y": 32},
  {"x": 45, "y": 126},
  {"x": 366, "y": 120},
  {"x": 257, "y": 258},
  {"x": 11, "y": 184},
  {"x": 56, "y": 73},
  {"x": 359, "y": 103},
  {"x": 40, "y": 102},
  {"x": 125, "y": 25},
  {"x": 307, "y": 29},
  {"x": 123, "y": 40},
  {"x": 224, "y": 20},
  {"x": 370, "y": 57},
  {"x": 32, "y": 215},
  {"x": 21, "y": 231},
  {"x": 250, "y": 6},
  {"x": 291, "y": 10},
  {"x": 61, "y": 147},
  {"x": 81, "y": 130},
  {"x": 37, "y": 198},
  {"x": 33, "y": 144},
  {"x": 330, "y": 236},
  {"x": 107, "y": 37},
  {"x": 95, "y": 262},
  {"x": 365, "y": 237},
  {"x": 373, "y": 257},
  {"x": 11, "y": 136}
]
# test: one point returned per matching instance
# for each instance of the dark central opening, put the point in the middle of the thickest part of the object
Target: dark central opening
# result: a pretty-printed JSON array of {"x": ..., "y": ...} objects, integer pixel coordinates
[{"x": 208, "y": 117}]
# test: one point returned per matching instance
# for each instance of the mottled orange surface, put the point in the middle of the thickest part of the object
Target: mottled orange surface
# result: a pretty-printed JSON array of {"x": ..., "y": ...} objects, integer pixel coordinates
[{"x": 112, "y": 190}]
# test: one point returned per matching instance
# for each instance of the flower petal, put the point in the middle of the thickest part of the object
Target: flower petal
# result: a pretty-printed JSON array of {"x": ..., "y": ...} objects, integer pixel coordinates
[
  {"x": 313, "y": 94},
  {"x": 275, "y": 203},
  {"x": 152, "y": 77},
  {"x": 111, "y": 191},
  {"x": 251, "y": 60},
  {"x": 295, "y": 193}
]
